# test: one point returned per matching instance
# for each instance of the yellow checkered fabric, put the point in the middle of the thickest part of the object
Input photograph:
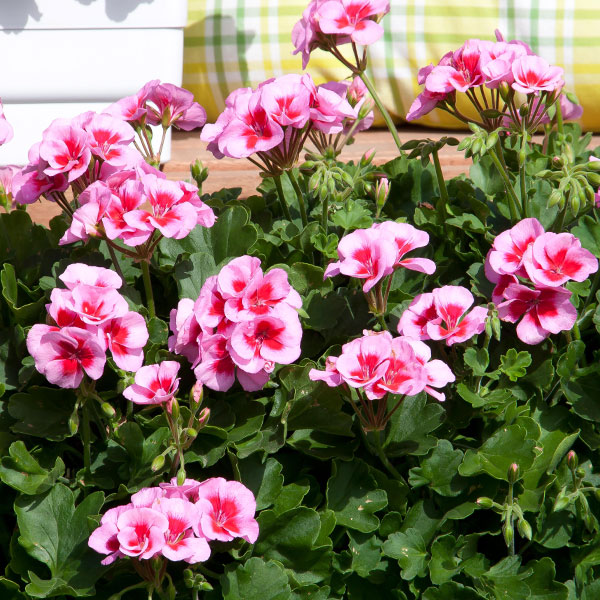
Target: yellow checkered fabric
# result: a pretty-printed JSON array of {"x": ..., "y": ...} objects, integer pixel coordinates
[{"x": 235, "y": 43}]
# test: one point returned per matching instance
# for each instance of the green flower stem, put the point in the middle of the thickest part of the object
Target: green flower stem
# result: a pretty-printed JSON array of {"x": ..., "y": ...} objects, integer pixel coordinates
[
  {"x": 179, "y": 462},
  {"x": 512, "y": 197},
  {"x": 282, "y": 202},
  {"x": 115, "y": 262},
  {"x": 440, "y": 179},
  {"x": 522, "y": 165},
  {"x": 385, "y": 461},
  {"x": 148, "y": 288},
  {"x": 510, "y": 517},
  {"x": 136, "y": 586},
  {"x": 299, "y": 195},
  {"x": 382, "y": 109},
  {"x": 86, "y": 436},
  {"x": 325, "y": 215}
]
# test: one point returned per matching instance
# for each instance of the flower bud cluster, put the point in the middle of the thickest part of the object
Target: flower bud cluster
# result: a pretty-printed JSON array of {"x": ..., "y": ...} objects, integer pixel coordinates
[
  {"x": 89, "y": 318},
  {"x": 244, "y": 320}
]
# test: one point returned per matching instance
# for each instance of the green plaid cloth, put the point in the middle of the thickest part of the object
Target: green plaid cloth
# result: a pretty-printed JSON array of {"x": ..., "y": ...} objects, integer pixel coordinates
[{"x": 235, "y": 43}]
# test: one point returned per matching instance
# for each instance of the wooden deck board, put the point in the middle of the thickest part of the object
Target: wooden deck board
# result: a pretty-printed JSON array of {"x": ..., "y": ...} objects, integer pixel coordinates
[{"x": 229, "y": 172}]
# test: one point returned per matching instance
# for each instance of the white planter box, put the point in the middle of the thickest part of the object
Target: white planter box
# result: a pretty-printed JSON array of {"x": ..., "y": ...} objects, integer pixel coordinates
[{"x": 63, "y": 57}]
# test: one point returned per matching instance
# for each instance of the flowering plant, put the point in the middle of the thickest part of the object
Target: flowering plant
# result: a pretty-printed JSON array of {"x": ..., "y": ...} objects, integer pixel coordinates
[{"x": 365, "y": 379}]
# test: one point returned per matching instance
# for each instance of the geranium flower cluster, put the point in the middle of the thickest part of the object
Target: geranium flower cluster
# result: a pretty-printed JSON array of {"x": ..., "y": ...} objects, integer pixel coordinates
[
  {"x": 92, "y": 154},
  {"x": 272, "y": 121},
  {"x": 505, "y": 67},
  {"x": 244, "y": 320},
  {"x": 177, "y": 522},
  {"x": 116, "y": 208},
  {"x": 356, "y": 93},
  {"x": 443, "y": 314},
  {"x": 380, "y": 364},
  {"x": 90, "y": 317},
  {"x": 327, "y": 24},
  {"x": 530, "y": 267},
  {"x": 374, "y": 253}
]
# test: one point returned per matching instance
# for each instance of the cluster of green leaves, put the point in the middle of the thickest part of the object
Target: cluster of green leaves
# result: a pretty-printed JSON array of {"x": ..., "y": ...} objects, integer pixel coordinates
[{"x": 335, "y": 522}]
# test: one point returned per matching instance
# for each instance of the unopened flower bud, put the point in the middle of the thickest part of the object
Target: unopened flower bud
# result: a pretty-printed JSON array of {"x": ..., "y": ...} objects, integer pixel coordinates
[
  {"x": 509, "y": 534},
  {"x": 199, "y": 173},
  {"x": 562, "y": 501},
  {"x": 485, "y": 502},
  {"x": 181, "y": 476},
  {"x": 524, "y": 529},
  {"x": 513, "y": 473},
  {"x": 197, "y": 393},
  {"x": 593, "y": 178},
  {"x": 367, "y": 157},
  {"x": 554, "y": 198},
  {"x": 190, "y": 432},
  {"x": 593, "y": 165},
  {"x": 74, "y": 422},
  {"x": 356, "y": 91},
  {"x": 572, "y": 460},
  {"x": 505, "y": 91},
  {"x": 580, "y": 472},
  {"x": 488, "y": 327},
  {"x": 365, "y": 109},
  {"x": 382, "y": 191},
  {"x": 523, "y": 110},
  {"x": 158, "y": 463},
  {"x": 203, "y": 418},
  {"x": 108, "y": 410},
  {"x": 174, "y": 408}
]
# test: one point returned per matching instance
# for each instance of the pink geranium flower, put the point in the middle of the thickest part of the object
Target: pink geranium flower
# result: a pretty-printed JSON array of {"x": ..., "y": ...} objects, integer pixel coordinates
[
  {"x": 555, "y": 258},
  {"x": 407, "y": 238},
  {"x": 422, "y": 310},
  {"x": 456, "y": 325},
  {"x": 154, "y": 384},
  {"x": 109, "y": 138},
  {"x": 353, "y": 18},
  {"x": 78, "y": 273},
  {"x": 141, "y": 532},
  {"x": 66, "y": 148},
  {"x": 437, "y": 372},
  {"x": 217, "y": 369},
  {"x": 330, "y": 375},
  {"x": 187, "y": 333},
  {"x": 95, "y": 305},
  {"x": 226, "y": 511},
  {"x": 126, "y": 337},
  {"x": 263, "y": 339},
  {"x": 365, "y": 360},
  {"x": 174, "y": 106},
  {"x": 180, "y": 542},
  {"x": 508, "y": 250},
  {"x": 132, "y": 108},
  {"x": 64, "y": 355},
  {"x": 104, "y": 538},
  {"x": 287, "y": 101},
  {"x": 365, "y": 254},
  {"x": 533, "y": 74},
  {"x": 543, "y": 311},
  {"x": 404, "y": 373}
]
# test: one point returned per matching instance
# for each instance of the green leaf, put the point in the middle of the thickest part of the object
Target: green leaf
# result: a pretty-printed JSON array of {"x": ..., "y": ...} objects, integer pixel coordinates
[
  {"x": 10, "y": 590},
  {"x": 366, "y": 552},
  {"x": 541, "y": 582},
  {"x": 290, "y": 497},
  {"x": 305, "y": 277},
  {"x": 23, "y": 313},
  {"x": 292, "y": 538},
  {"x": 451, "y": 591},
  {"x": 255, "y": 580},
  {"x": 353, "y": 495},
  {"x": 440, "y": 470},
  {"x": 158, "y": 331},
  {"x": 54, "y": 532},
  {"x": 514, "y": 364},
  {"x": 411, "y": 425},
  {"x": 191, "y": 273},
  {"x": 582, "y": 394},
  {"x": 477, "y": 359},
  {"x": 567, "y": 363},
  {"x": 24, "y": 473},
  {"x": 264, "y": 479},
  {"x": 352, "y": 216},
  {"x": 506, "y": 446},
  {"x": 42, "y": 412},
  {"x": 588, "y": 232},
  {"x": 409, "y": 549},
  {"x": 232, "y": 235}
]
